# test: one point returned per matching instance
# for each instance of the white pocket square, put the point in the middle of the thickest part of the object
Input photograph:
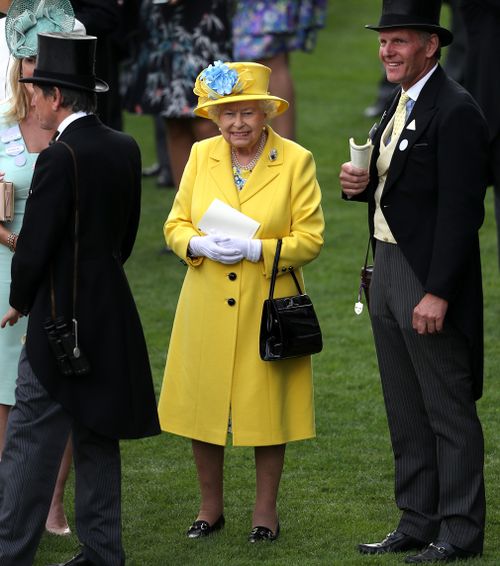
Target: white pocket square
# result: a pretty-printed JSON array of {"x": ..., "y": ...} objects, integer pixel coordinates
[{"x": 411, "y": 125}]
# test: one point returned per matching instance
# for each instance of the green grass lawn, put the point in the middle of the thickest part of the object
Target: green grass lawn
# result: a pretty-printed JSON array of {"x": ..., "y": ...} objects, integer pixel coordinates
[{"x": 337, "y": 490}]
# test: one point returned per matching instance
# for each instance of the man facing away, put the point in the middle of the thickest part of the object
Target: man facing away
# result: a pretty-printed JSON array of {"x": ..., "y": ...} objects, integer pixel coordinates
[
  {"x": 482, "y": 80},
  {"x": 425, "y": 190},
  {"x": 85, "y": 208}
]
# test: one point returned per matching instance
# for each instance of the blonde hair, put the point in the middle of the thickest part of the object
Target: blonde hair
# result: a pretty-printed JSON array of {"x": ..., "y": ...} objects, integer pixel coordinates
[
  {"x": 269, "y": 107},
  {"x": 20, "y": 99}
]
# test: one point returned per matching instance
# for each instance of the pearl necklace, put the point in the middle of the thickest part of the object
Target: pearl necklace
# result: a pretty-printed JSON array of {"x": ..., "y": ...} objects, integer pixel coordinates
[{"x": 251, "y": 165}]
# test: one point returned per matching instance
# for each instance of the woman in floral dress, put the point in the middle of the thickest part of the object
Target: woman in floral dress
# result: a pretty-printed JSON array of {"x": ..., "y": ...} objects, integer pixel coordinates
[
  {"x": 267, "y": 31},
  {"x": 176, "y": 41}
]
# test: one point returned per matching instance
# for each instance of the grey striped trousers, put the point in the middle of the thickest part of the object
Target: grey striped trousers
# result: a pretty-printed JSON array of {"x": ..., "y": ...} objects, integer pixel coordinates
[
  {"x": 37, "y": 432},
  {"x": 435, "y": 431}
]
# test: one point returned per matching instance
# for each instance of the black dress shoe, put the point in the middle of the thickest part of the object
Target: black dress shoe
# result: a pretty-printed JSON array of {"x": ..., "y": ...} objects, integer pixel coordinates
[
  {"x": 203, "y": 529},
  {"x": 78, "y": 560},
  {"x": 258, "y": 534},
  {"x": 393, "y": 542},
  {"x": 440, "y": 552}
]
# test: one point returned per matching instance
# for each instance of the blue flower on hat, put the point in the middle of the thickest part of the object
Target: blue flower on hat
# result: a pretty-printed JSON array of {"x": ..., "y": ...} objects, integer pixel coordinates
[
  {"x": 223, "y": 81},
  {"x": 219, "y": 79}
]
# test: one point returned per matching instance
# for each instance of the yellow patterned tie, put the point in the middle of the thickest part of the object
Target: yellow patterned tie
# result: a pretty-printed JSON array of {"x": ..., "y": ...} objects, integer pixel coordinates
[{"x": 400, "y": 116}]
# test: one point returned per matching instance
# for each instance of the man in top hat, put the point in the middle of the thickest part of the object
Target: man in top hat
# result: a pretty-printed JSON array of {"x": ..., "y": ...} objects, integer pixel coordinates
[
  {"x": 79, "y": 228},
  {"x": 425, "y": 188}
]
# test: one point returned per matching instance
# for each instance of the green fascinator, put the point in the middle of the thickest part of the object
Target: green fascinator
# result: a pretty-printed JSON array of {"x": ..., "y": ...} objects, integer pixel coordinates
[{"x": 27, "y": 18}]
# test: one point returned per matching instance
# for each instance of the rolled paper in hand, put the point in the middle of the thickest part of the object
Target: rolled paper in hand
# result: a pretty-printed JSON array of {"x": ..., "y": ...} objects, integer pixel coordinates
[{"x": 361, "y": 154}]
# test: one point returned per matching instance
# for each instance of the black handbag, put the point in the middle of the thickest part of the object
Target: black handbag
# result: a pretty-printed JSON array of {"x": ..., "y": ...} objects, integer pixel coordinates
[{"x": 289, "y": 327}]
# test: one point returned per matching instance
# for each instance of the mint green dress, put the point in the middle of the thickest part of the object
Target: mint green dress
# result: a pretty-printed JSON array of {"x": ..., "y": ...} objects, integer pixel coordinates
[{"x": 18, "y": 165}]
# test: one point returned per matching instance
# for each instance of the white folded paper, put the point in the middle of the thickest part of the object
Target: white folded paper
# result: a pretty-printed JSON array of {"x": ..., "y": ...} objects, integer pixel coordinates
[
  {"x": 220, "y": 217},
  {"x": 361, "y": 154}
]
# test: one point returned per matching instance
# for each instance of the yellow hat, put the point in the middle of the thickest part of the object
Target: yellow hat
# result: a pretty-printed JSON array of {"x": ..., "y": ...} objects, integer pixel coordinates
[{"x": 223, "y": 83}]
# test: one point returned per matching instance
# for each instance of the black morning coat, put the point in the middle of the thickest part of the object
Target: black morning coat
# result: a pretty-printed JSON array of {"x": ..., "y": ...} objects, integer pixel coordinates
[
  {"x": 482, "y": 70},
  {"x": 117, "y": 398},
  {"x": 433, "y": 201}
]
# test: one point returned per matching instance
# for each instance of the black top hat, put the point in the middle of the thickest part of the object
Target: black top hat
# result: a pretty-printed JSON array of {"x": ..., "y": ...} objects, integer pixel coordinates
[
  {"x": 67, "y": 60},
  {"x": 413, "y": 14}
]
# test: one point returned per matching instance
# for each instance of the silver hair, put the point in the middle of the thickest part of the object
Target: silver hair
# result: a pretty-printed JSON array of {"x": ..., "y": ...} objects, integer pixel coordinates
[
  {"x": 425, "y": 37},
  {"x": 269, "y": 107}
]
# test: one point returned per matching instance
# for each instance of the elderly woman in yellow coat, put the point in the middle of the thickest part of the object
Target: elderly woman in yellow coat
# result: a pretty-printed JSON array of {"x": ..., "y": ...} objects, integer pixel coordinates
[{"x": 214, "y": 376}]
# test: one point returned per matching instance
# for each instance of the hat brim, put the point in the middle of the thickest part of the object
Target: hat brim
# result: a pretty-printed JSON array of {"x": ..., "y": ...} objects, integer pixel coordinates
[
  {"x": 202, "y": 110},
  {"x": 445, "y": 36},
  {"x": 100, "y": 85}
]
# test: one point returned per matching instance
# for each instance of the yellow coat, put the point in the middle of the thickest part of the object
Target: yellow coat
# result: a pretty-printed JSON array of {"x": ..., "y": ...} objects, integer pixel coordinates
[{"x": 213, "y": 369}]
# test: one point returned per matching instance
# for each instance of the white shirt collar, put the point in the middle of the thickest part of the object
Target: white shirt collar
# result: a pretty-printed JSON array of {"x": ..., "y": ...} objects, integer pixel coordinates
[
  {"x": 414, "y": 91},
  {"x": 69, "y": 120}
]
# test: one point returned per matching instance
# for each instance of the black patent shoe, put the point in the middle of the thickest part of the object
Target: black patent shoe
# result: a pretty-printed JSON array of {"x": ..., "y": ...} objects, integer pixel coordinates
[
  {"x": 258, "y": 534},
  {"x": 439, "y": 552},
  {"x": 78, "y": 560},
  {"x": 203, "y": 529},
  {"x": 393, "y": 542}
]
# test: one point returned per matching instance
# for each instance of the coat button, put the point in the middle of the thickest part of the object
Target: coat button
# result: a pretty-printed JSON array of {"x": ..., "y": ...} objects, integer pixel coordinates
[
  {"x": 232, "y": 276},
  {"x": 231, "y": 302},
  {"x": 283, "y": 269}
]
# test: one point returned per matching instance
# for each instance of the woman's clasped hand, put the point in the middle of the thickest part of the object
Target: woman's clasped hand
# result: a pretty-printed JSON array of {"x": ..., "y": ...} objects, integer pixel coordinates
[{"x": 225, "y": 249}]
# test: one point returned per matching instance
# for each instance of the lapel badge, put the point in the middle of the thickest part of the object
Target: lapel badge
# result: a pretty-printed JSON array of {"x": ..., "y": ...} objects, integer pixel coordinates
[
  {"x": 411, "y": 126},
  {"x": 14, "y": 148},
  {"x": 20, "y": 160},
  {"x": 273, "y": 154},
  {"x": 403, "y": 145}
]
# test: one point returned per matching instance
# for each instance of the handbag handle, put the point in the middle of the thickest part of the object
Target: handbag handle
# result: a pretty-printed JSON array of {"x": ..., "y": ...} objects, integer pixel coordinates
[
  {"x": 368, "y": 251},
  {"x": 76, "y": 244},
  {"x": 275, "y": 271}
]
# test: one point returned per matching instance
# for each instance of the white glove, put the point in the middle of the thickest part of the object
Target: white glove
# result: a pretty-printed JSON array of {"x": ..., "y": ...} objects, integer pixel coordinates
[
  {"x": 211, "y": 246},
  {"x": 250, "y": 249}
]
